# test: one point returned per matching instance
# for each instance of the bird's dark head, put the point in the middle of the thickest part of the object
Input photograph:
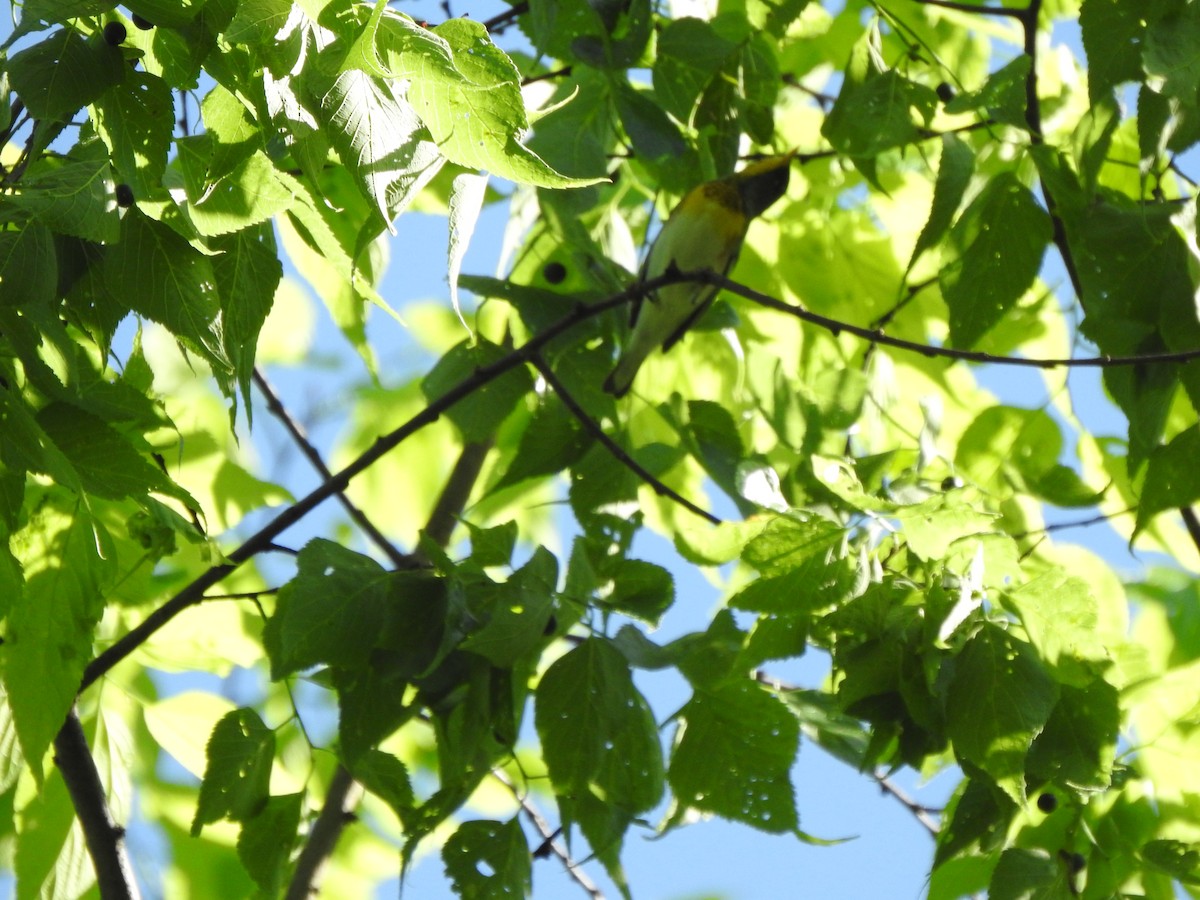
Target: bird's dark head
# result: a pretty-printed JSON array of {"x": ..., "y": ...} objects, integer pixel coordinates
[{"x": 762, "y": 183}]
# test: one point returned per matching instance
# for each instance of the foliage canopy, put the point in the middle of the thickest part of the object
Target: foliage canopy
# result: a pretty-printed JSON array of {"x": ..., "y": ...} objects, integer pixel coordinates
[{"x": 969, "y": 198}]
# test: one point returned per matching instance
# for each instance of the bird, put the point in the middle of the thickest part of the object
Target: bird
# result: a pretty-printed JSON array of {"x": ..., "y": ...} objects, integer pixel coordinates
[{"x": 704, "y": 232}]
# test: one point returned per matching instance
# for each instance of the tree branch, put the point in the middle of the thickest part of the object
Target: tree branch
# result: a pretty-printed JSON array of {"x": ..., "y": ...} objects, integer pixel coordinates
[
  {"x": 613, "y": 447},
  {"x": 456, "y": 493},
  {"x": 276, "y": 408},
  {"x": 836, "y": 327},
  {"x": 105, "y": 838},
  {"x": 340, "y": 799},
  {"x": 264, "y": 537}
]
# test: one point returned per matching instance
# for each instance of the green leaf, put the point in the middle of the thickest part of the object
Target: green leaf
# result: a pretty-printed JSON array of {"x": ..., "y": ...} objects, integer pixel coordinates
[
  {"x": 1171, "y": 477},
  {"x": 1006, "y": 446},
  {"x": 823, "y": 722},
  {"x": 237, "y": 775},
  {"x": 650, "y": 130},
  {"x": 518, "y": 613},
  {"x": 819, "y": 582},
  {"x": 258, "y": 21},
  {"x": 874, "y": 109},
  {"x": 1113, "y": 36},
  {"x": 252, "y": 193},
  {"x": 1077, "y": 745},
  {"x": 954, "y": 174},
  {"x": 265, "y": 842},
  {"x": 493, "y": 546},
  {"x": 690, "y": 54},
  {"x": 169, "y": 282},
  {"x": 642, "y": 590},
  {"x": 51, "y": 855},
  {"x": 486, "y": 859},
  {"x": 107, "y": 463},
  {"x": 714, "y": 545},
  {"x": 28, "y": 267},
  {"x": 68, "y": 561},
  {"x": 575, "y": 134},
  {"x": 552, "y": 442},
  {"x": 718, "y": 446},
  {"x": 331, "y": 613},
  {"x": 1169, "y": 53},
  {"x": 999, "y": 242},
  {"x": 480, "y": 413},
  {"x": 371, "y": 706},
  {"x": 58, "y": 11},
  {"x": 72, "y": 196},
  {"x": 999, "y": 699},
  {"x": 1002, "y": 96},
  {"x": 975, "y": 814},
  {"x": 136, "y": 120},
  {"x": 62, "y": 74},
  {"x": 234, "y": 134},
  {"x": 1029, "y": 875},
  {"x": 1061, "y": 617},
  {"x": 380, "y": 138},
  {"x": 171, "y": 13},
  {"x": 387, "y": 778},
  {"x": 248, "y": 272},
  {"x": 467, "y": 92},
  {"x": 932, "y": 526},
  {"x": 734, "y": 754},
  {"x": 597, "y": 729},
  {"x": 1176, "y": 858},
  {"x": 788, "y": 542}
]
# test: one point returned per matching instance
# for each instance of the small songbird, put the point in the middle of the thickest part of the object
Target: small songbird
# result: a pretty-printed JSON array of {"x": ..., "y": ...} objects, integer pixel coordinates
[{"x": 705, "y": 231}]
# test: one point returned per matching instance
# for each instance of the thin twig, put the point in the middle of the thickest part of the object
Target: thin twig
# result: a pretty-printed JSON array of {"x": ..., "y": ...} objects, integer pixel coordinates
[
  {"x": 502, "y": 20},
  {"x": 276, "y": 408},
  {"x": 574, "y": 872},
  {"x": 836, "y": 327},
  {"x": 618, "y": 452},
  {"x": 974, "y": 8},
  {"x": 1078, "y": 523},
  {"x": 920, "y": 812},
  {"x": 546, "y": 76}
]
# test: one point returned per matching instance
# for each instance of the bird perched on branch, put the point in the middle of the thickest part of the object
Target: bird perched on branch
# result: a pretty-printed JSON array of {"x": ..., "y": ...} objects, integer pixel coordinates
[{"x": 705, "y": 231}]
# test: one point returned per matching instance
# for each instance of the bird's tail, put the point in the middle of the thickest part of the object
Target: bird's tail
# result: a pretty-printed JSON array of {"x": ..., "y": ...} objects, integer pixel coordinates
[{"x": 620, "y": 380}]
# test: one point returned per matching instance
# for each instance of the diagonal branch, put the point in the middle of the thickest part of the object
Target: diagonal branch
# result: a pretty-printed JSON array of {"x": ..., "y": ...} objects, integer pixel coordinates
[
  {"x": 275, "y": 407},
  {"x": 612, "y": 446},
  {"x": 264, "y": 537}
]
